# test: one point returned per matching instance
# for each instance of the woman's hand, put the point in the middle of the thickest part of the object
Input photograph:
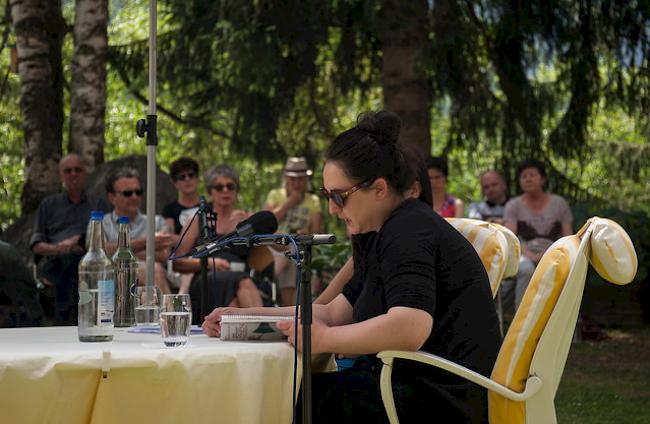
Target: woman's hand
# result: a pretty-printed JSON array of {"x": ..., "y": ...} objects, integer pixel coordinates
[
  {"x": 294, "y": 198},
  {"x": 318, "y": 334},
  {"x": 212, "y": 323}
]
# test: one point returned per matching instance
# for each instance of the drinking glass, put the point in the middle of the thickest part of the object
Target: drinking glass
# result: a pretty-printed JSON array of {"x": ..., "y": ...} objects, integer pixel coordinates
[
  {"x": 175, "y": 319},
  {"x": 147, "y": 305}
]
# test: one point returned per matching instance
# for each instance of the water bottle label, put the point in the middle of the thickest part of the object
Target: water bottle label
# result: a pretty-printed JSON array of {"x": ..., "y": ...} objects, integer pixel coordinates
[{"x": 106, "y": 302}]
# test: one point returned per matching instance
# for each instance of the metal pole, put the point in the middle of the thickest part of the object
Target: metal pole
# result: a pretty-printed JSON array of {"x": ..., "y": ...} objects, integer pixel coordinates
[
  {"x": 152, "y": 141},
  {"x": 306, "y": 318}
]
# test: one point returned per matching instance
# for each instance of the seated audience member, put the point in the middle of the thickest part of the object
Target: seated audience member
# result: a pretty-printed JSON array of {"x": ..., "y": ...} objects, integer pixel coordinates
[
  {"x": 418, "y": 284},
  {"x": 58, "y": 235},
  {"x": 444, "y": 204},
  {"x": 184, "y": 173},
  {"x": 124, "y": 191},
  {"x": 228, "y": 287},
  {"x": 538, "y": 218},
  {"x": 491, "y": 209},
  {"x": 297, "y": 211}
]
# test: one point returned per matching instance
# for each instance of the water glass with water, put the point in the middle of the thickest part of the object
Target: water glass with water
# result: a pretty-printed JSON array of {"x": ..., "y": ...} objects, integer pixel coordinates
[
  {"x": 175, "y": 319},
  {"x": 147, "y": 305}
]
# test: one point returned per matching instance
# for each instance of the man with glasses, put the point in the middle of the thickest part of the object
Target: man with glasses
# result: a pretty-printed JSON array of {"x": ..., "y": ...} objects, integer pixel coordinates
[
  {"x": 124, "y": 191},
  {"x": 59, "y": 235}
]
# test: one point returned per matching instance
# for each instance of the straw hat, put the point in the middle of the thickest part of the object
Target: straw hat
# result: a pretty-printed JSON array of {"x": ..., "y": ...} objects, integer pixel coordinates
[{"x": 297, "y": 167}]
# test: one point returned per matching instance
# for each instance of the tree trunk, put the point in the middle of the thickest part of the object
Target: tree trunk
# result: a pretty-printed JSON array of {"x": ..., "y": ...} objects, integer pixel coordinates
[
  {"x": 88, "y": 88},
  {"x": 403, "y": 32},
  {"x": 39, "y": 28}
]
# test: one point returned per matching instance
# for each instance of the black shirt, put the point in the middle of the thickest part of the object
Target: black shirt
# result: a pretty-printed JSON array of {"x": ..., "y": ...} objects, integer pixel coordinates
[
  {"x": 173, "y": 210},
  {"x": 58, "y": 218},
  {"x": 418, "y": 260}
]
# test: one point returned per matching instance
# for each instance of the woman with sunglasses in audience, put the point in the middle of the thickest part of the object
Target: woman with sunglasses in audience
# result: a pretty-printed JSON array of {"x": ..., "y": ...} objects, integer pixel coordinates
[
  {"x": 231, "y": 286},
  {"x": 297, "y": 211},
  {"x": 418, "y": 284}
]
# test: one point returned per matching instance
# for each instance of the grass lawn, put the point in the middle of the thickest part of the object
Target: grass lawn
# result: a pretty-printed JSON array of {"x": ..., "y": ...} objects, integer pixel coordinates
[{"x": 607, "y": 381}]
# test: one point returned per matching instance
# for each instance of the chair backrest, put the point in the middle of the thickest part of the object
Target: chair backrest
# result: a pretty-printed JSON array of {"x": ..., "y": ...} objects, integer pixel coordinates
[
  {"x": 497, "y": 247},
  {"x": 539, "y": 338}
]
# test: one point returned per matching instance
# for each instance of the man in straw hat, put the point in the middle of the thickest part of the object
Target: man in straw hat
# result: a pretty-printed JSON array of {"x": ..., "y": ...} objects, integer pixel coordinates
[{"x": 297, "y": 211}]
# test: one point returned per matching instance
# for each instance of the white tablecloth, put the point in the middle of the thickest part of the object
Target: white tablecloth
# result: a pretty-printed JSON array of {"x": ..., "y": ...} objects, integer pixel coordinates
[{"x": 47, "y": 375}]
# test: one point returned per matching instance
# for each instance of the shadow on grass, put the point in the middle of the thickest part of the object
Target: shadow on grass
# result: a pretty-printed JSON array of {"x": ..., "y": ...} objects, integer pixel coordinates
[{"x": 607, "y": 381}]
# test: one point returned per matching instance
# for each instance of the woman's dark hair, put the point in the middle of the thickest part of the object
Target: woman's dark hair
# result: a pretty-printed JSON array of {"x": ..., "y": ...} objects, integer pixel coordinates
[
  {"x": 439, "y": 163},
  {"x": 531, "y": 163},
  {"x": 183, "y": 164},
  {"x": 369, "y": 151},
  {"x": 422, "y": 175}
]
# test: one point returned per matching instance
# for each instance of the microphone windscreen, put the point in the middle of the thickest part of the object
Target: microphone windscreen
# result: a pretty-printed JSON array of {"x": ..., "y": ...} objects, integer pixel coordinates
[{"x": 262, "y": 222}]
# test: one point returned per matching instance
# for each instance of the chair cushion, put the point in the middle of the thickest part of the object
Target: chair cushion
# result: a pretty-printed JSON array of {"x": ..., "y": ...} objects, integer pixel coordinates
[
  {"x": 489, "y": 243},
  {"x": 612, "y": 252},
  {"x": 514, "y": 250},
  {"x": 513, "y": 363}
]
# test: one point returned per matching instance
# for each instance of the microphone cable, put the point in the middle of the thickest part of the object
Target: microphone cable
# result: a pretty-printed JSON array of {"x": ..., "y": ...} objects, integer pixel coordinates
[{"x": 172, "y": 254}]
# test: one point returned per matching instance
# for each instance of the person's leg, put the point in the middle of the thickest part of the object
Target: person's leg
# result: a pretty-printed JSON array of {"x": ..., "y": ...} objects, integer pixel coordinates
[
  {"x": 160, "y": 278},
  {"x": 287, "y": 284},
  {"x": 186, "y": 282},
  {"x": 63, "y": 270},
  {"x": 348, "y": 396},
  {"x": 524, "y": 274},
  {"x": 247, "y": 294}
]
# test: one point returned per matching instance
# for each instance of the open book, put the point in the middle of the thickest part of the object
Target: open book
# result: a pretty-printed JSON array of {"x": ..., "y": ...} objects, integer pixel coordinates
[{"x": 251, "y": 327}]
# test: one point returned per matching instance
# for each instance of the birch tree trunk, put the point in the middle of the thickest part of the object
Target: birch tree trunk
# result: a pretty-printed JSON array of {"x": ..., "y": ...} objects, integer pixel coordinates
[
  {"x": 39, "y": 29},
  {"x": 88, "y": 88},
  {"x": 404, "y": 27}
]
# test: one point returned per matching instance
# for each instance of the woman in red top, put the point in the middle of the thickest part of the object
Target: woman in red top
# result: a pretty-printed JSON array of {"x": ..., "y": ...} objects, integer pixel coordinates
[{"x": 444, "y": 204}]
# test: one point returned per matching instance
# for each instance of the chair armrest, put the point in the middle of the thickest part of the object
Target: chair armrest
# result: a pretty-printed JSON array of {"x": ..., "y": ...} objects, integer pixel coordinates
[{"x": 533, "y": 384}]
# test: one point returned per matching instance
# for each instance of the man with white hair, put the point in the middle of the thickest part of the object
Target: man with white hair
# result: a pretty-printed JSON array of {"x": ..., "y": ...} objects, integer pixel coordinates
[{"x": 59, "y": 235}]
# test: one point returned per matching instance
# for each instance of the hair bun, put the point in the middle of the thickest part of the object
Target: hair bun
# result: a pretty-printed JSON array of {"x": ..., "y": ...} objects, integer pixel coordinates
[{"x": 384, "y": 125}]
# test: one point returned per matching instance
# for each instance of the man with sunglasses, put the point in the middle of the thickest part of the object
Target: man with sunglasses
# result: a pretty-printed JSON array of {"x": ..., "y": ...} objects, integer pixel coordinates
[
  {"x": 124, "y": 191},
  {"x": 58, "y": 235}
]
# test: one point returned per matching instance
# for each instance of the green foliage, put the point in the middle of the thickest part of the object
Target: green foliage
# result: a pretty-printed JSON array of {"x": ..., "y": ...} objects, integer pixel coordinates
[
  {"x": 11, "y": 154},
  {"x": 607, "y": 382},
  {"x": 330, "y": 258}
]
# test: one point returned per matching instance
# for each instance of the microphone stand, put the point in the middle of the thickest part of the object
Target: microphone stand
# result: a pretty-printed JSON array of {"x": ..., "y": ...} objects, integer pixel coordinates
[
  {"x": 206, "y": 233},
  {"x": 304, "y": 244},
  {"x": 306, "y": 318}
]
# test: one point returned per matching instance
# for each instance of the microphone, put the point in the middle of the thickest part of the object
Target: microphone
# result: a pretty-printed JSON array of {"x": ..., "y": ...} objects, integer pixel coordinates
[
  {"x": 262, "y": 222},
  {"x": 265, "y": 240}
]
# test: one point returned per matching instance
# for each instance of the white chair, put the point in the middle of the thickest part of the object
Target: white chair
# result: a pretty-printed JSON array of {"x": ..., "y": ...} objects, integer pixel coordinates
[
  {"x": 528, "y": 369},
  {"x": 497, "y": 246}
]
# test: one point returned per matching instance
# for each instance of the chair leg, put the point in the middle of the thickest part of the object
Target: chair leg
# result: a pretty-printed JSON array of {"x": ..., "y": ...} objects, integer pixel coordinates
[{"x": 387, "y": 391}]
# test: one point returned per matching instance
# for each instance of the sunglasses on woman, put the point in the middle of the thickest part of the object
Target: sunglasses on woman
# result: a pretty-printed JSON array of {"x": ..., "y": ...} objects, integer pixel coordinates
[
  {"x": 339, "y": 197},
  {"x": 222, "y": 187}
]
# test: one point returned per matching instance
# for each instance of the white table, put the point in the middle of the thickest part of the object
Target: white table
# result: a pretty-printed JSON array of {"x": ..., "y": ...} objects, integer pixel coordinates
[{"x": 47, "y": 375}]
